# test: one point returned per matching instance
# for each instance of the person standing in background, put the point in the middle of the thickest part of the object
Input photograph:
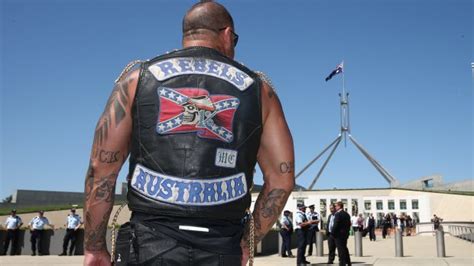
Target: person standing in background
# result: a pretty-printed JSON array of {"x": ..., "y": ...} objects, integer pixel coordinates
[
  {"x": 341, "y": 228},
  {"x": 286, "y": 232},
  {"x": 37, "y": 225},
  {"x": 330, "y": 234},
  {"x": 13, "y": 224},
  {"x": 73, "y": 223},
  {"x": 302, "y": 225},
  {"x": 313, "y": 228},
  {"x": 436, "y": 222},
  {"x": 387, "y": 223},
  {"x": 371, "y": 227}
]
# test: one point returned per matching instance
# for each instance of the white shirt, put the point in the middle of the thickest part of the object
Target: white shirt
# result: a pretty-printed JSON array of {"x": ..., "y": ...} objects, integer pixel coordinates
[
  {"x": 38, "y": 223},
  {"x": 300, "y": 218},
  {"x": 354, "y": 221},
  {"x": 331, "y": 223},
  {"x": 73, "y": 221},
  {"x": 286, "y": 220},
  {"x": 312, "y": 216},
  {"x": 13, "y": 222}
]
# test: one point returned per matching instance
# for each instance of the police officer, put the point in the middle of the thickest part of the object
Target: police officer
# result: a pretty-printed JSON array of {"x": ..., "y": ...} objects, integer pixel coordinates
[
  {"x": 37, "y": 225},
  {"x": 13, "y": 224},
  {"x": 302, "y": 226},
  {"x": 193, "y": 122},
  {"x": 286, "y": 232},
  {"x": 313, "y": 228},
  {"x": 73, "y": 223}
]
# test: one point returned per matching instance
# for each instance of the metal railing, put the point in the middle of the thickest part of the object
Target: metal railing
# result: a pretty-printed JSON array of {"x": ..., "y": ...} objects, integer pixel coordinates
[{"x": 465, "y": 232}]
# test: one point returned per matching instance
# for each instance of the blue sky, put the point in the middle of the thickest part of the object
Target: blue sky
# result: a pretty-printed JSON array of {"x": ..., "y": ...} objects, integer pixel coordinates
[{"x": 408, "y": 71}]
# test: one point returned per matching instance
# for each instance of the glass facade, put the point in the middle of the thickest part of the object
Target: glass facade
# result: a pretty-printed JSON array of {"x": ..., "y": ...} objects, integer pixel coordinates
[
  {"x": 367, "y": 205},
  {"x": 403, "y": 204},
  {"x": 391, "y": 205},
  {"x": 379, "y": 204}
]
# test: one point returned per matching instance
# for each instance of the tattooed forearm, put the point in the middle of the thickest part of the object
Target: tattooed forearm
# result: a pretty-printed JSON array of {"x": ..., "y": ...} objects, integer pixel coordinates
[
  {"x": 267, "y": 210},
  {"x": 100, "y": 193},
  {"x": 273, "y": 202},
  {"x": 94, "y": 238},
  {"x": 105, "y": 188},
  {"x": 107, "y": 156},
  {"x": 287, "y": 167}
]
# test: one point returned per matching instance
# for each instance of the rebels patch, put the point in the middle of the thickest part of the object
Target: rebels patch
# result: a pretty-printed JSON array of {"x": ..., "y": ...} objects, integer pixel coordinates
[
  {"x": 194, "y": 110},
  {"x": 169, "y": 68},
  {"x": 194, "y": 192}
]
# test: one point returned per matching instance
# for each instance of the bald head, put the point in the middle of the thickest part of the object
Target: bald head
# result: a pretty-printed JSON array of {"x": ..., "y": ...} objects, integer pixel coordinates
[
  {"x": 209, "y": 24},
  {"x": 206, "y": 15}
]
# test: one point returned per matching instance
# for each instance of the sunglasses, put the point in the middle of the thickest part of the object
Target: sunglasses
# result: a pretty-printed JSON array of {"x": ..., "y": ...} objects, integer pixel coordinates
[{"x": 235, "y": 35}]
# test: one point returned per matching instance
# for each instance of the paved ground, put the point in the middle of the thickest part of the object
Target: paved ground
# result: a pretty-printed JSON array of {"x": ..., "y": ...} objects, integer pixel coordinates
[{"x": 419, "y": 250}]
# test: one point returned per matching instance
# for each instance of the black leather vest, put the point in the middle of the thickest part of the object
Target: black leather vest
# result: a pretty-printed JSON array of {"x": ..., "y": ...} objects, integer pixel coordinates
[{"x": 196, "y": 131}]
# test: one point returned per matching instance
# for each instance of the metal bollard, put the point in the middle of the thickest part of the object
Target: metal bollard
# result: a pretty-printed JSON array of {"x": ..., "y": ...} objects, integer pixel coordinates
[
  {"x": 319, "y": 244},
  {"x": 398, "y": 243},
  {"x": 358, "y": 243},
  {"x": 440, "y": 243},
  {"x": 280, "y": 242}
]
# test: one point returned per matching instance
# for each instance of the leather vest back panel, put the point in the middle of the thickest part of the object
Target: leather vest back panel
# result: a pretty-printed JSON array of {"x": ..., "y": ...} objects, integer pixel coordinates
[{"x": 196, "y": 132}]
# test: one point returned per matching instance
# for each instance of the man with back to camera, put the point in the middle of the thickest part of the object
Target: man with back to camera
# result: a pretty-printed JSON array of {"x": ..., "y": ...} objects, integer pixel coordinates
[
  {"x": 188, "y": 120},
  {"x": 341, "y": 228},
  {"x": 12, "y": 224}
]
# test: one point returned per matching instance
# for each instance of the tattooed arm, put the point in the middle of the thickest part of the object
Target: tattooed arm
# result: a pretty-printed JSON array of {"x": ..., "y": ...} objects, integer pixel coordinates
[
  {"x": 109, "y": 151},
  {"x": 276, "y": 159}
]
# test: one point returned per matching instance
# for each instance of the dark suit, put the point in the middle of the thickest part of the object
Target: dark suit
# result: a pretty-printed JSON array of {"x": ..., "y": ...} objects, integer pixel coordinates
[
  {"x": 331, "y": 241},
  {"x": 342, "y": 225}
]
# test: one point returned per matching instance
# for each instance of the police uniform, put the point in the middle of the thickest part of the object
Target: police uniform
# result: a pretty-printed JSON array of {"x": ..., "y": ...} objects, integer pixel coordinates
[
  {"x": 196, "y": 131},
  {"x": 72, "y": 223},
  {"x": 312, "y": 230},
  {"x": 286, "y": 235},
  {"x": 301, "y": 234},
  {"x": 12, "y": 224},
  {"x": 37, "y": 233}
]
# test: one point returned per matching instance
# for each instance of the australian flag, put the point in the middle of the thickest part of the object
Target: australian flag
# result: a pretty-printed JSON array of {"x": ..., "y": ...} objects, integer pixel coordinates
[{"x": 339, "y": 69}]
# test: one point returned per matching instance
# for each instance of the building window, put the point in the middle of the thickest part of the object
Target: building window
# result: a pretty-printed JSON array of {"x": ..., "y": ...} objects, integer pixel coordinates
[
  {"x": 416, "y": 218},
  {"x": 414, "y": 204},
  {"x": 403, "y": 205},
  {"x": 391, "y": 205},
  {"x": 379, "y": 205},
  {"x": 300, "y": 201},
  {"x": 367, "y": 205},
  {"x": 344, "y": 203},
  {"x": 333, "y": 201},
  {"x": 355, "y": 207},
  {"x": 322, "y": 207}
]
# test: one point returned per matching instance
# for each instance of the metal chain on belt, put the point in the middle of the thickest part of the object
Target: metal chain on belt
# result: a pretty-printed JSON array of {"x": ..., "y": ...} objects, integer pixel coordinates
[
  {"x": 127, "y": 68},
  {"x": 265, "y": 78},
  {"x": 251, "y": 239},
  {"x": 114, "y": 224}
]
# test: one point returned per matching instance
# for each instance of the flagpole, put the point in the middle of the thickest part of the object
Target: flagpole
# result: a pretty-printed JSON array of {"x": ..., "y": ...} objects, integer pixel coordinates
[
  {"x": 344, "y": 106},
  {"x": 343, "y": 81}
]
